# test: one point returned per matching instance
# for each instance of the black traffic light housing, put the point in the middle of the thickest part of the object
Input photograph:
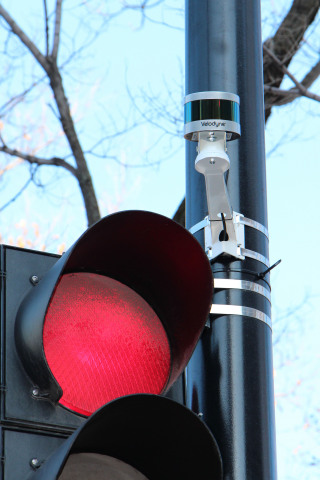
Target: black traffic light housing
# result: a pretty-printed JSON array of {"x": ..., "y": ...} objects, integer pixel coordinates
[
  {"x": 148, "y": 254},
  {"x": 158, "y": 437}
]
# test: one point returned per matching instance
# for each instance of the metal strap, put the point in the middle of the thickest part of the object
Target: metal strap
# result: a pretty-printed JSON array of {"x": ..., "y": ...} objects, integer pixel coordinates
[
  {"x": 255, "y": 255},
  {"x": 253, "y": 224},
  {"x": 217, "y": 309},
  {"x": 200, "y": 226},
  {"x": 225, "y": 283},
  {"x": 245, "y": 252},
  {"x": 248, "y": 222}
]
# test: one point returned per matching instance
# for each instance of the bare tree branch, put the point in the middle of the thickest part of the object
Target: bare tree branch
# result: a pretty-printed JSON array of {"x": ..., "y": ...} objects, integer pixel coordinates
[
  {"x": 25, "y": 39},
  {"x": 46, "y": 26},
  {"x": 17, "y": 195},
  {"x": 84, "y": 177},
  {"x": 48, "y": 61},
  {"x": 287, "y": 96},
  {"x": 312, "y": 76},
  {"x": 52, "y": 70},
  {"x": 32, "y": 159},
  {"x": 285, "y": 44},
  {"x": 57, "y": 26},
  {"x": 7, "y": 106},
  {"x": 301, "y": 88}
]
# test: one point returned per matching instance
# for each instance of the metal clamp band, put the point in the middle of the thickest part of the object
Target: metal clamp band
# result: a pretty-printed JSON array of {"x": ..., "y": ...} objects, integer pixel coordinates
[
  {"x": 217, "y": 309},
  {"x": 255, "y": 256},
  {"x": 200, "y": 225},
  {"x": 239, "y": 219},
  {"x": 225, "y": 283},
  {"x": 217, "y": 247},
  {"x": 253, "y": 224}
]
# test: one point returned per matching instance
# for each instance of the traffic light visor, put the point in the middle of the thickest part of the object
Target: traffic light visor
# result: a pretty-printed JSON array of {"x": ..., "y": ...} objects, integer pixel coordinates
[
  {"x": 119, "y": 313},
  {"x": 146, "y": 436}
]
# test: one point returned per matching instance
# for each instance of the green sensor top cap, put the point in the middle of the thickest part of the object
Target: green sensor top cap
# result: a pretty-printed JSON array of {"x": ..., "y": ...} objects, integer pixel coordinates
[{"x": 211, "y": 112}]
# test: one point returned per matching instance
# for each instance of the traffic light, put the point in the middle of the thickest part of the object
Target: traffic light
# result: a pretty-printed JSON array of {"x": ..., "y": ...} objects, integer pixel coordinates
[
  {"x": 118, "y": 314},
  {"x": 138, "y": 437}
]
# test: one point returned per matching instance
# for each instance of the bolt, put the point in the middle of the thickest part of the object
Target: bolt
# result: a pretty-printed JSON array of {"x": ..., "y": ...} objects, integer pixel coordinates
[
  {"x": 35, "y": 392},
  {"x": 34, "y": 279},
  {"x": 212, "y": 161},
  {"x": 211, "y": 137},
  {"x": 200, "y": 415},
  {"x": 34, "y": 462}
]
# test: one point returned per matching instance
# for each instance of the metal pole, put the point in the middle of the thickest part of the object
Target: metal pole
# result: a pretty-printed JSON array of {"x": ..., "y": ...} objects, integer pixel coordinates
[{"x": 230, "y": 376}]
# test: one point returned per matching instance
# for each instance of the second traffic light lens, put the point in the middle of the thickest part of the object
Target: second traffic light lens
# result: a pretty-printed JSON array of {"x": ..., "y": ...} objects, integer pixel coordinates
[
  {"x": 101, "y": 341},
  {"x": 83, "y": 466}
]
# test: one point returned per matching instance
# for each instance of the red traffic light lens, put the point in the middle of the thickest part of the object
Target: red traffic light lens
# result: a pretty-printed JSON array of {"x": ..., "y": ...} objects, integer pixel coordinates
[{"x": 101, "y": 341}]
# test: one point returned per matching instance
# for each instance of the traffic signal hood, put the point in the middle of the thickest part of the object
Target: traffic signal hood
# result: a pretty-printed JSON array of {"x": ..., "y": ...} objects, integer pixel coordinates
[
  {"x": 118, "y": 314},
  {"x": 141, "y": 437}
]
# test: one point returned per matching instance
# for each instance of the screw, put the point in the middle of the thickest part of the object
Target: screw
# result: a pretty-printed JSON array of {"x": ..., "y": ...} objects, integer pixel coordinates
[
  {"x": 200, "y": 415},
  {"x": 35, "y": 392},
  {"x": 34, "y": 462},
  {"x": 34, "y": 279},
  {"x": 211, "y": 137},
  {"x": 212, "y": 161}
]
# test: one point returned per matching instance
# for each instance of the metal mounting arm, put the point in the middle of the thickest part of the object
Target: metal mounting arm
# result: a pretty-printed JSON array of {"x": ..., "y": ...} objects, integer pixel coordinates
[
  {"x": 213, "y": 162},
  {"x": 223, "y": 234}
]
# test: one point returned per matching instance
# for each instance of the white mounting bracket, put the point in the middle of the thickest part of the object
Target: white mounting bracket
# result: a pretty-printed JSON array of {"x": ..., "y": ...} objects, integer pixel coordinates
[
  {"x": 212, "y": 230},
  {"x": 224, "y": 234},
  {"x": 233, "y": 246}
]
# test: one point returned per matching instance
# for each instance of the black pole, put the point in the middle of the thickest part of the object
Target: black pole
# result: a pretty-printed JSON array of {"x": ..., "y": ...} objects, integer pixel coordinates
[{"x": 230, "y": 376}]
